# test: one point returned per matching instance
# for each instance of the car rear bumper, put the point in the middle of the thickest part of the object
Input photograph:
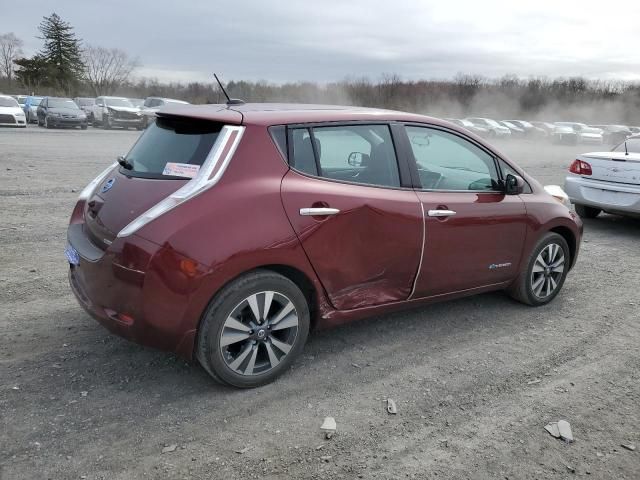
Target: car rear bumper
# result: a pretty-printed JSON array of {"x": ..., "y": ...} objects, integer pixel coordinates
[
  {"x": 134, "y": 291},
  {"x": 607, "y": 196}
]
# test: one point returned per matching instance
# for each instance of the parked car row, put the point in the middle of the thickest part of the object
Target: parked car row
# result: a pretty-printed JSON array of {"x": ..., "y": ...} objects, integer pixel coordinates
[
  {"x": 106, "y": 111},
  {"x": 570, "y": 133}
]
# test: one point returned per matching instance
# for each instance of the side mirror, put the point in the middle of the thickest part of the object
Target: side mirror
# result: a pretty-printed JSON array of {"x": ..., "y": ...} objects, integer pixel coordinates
[
  {"x": 513, "y": 184},
  {"x": 358, "y": 159}
]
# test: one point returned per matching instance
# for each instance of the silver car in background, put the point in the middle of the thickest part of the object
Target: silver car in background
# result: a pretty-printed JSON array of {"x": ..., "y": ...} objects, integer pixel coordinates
[
  {"x": 606, "y": 181},
  {"x": 495, "y": 129},
  {"x": 151, "y": 105},
  {"x": 586, "y": 134}
]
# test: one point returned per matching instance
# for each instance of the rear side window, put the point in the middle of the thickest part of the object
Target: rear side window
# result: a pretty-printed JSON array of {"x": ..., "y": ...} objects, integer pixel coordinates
[
  {"x": 172, "y": 148},
  {"x": 352, "y": 153}
]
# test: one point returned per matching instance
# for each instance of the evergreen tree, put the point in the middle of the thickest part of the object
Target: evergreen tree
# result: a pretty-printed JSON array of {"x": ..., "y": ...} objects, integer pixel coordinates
[{"x": 62, "y": 52}]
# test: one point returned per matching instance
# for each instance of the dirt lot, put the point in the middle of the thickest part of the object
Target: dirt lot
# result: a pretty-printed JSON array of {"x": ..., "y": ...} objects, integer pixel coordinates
[{"x": 76, "y": 402}]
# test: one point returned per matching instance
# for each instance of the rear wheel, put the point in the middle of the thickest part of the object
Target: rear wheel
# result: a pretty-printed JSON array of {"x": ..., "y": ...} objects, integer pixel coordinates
[
  {"x": 545, "y": 272},
  {"x": 253, "y": 330},
  {"x": 587, "y": 212}
]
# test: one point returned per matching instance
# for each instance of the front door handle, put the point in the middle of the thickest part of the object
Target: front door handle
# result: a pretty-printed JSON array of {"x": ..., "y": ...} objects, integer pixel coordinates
[
  {"x": 441, "y": 213},
  {"x": 320, "y": 211}
]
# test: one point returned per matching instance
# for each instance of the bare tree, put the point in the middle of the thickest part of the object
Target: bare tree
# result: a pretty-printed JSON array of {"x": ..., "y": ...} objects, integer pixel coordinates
[
  {"x": 10, "y": 51},
  {"x": 107, "y": 69}
]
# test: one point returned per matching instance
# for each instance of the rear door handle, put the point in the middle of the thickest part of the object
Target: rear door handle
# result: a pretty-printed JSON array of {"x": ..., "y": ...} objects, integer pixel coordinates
[
  {"x": 441, "y": 213},
  {"x": 320, "y": 211}
]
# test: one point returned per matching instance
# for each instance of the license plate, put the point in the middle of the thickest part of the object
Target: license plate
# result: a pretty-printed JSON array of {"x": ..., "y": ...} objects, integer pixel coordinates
[{"x": 72, "y": 255}]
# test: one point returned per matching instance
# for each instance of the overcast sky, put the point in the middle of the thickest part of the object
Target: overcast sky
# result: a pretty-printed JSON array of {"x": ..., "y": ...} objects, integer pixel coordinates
[{"x": 329, "y": 40}]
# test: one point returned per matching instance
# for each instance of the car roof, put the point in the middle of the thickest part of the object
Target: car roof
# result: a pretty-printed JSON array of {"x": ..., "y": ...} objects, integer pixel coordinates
[{"x": 292, "y": 113}]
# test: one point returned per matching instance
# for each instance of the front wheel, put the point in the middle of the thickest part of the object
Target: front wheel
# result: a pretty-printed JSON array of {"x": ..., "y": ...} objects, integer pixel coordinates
[
  {"x": 106, "y": 122},
  {"x": 545, "y": 272},
  {"x": 253, "y": 329},
  {"x": 587, "y": 212}
]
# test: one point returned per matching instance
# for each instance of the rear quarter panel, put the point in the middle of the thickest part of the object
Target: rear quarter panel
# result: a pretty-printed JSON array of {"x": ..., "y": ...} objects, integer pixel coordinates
[{"x": 236, "y": 226}]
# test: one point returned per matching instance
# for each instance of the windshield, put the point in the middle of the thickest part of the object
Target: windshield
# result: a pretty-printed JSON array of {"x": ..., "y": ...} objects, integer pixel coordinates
[
  {"x": 493, "y": 123},
  {"x": 172, "y": 148},
  {"x": 35, "y": 101},
  {"x": 175, "y": 101},
  {"x": 136, "y": 102},
  {"x": 633, "y": 146},
  {"x": 117, "y": 102},
  {"x": 8, "y": 102},
  {"x": 62, "y": 103}
]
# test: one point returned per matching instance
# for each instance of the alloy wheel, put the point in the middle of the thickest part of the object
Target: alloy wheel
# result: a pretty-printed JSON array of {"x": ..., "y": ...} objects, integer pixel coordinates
[
  {"x": 260, "y": 331},
  {"x": 547, "y": 270}
]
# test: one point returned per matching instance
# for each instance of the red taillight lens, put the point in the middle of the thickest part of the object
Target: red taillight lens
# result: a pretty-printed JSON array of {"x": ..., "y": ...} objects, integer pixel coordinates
[{"x": 580, "y": 168}]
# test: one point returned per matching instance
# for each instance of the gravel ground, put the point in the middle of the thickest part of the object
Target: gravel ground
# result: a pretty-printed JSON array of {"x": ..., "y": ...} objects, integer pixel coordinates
[{"x": 475, "y": 380}]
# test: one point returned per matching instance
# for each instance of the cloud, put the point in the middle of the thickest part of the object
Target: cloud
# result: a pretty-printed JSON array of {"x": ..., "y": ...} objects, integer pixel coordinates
[{"x": 325, "y": 41}]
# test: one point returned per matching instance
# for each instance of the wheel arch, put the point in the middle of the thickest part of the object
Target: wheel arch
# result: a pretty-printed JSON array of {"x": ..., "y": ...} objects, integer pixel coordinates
[
  {"x": 567, "y": 234},
  {"x": 297, "y": 276}
]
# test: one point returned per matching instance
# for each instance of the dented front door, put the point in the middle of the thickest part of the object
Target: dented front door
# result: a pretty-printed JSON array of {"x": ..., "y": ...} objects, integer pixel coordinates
[{"x": 364, "y": 242}]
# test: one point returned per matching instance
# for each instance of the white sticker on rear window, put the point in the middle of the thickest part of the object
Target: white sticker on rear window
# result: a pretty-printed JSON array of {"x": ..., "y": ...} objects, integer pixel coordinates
[{"x": 181, "y": 170}]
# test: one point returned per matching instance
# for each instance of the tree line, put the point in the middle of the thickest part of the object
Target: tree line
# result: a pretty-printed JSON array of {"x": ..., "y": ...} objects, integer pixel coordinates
[{"x": 66, "y": 66}]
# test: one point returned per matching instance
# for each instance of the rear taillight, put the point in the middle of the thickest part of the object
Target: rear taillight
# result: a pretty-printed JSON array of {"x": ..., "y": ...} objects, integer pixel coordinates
[{"x": 580, "y": 167}]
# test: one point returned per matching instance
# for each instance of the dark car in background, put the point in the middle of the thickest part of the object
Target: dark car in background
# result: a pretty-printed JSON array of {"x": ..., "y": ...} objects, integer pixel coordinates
[
  {"x": 85, "y": 104},
  {"x": 228, "y": 231},
  {"x": 60, "y": 112}
]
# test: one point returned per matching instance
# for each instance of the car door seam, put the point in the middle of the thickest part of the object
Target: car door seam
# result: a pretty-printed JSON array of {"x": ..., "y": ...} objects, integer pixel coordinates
[{"x": 424, "y": 235}]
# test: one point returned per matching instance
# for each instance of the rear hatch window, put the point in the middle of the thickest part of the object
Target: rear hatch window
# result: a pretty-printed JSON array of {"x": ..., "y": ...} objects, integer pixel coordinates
[{"x": 172, "y": 148}]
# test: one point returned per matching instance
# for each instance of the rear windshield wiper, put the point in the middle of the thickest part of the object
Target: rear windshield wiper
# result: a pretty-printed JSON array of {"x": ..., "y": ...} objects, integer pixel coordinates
[{"x": 125, "y": 163}]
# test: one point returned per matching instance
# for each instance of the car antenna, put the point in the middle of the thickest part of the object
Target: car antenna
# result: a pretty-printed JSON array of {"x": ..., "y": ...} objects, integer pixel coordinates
[
  {"x": 230, "y": 101},
  {"x": 626, "y": 152}
]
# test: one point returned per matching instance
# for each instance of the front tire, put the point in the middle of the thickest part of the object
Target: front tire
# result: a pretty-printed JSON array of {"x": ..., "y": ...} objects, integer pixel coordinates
[
  {"x": 106, "y": 122},
  {"x": 545, "y": 272},
  {"x": 253, "y": 329},
  {"x": 587, "y": 212},
  {"x": 46, "y": 123}
]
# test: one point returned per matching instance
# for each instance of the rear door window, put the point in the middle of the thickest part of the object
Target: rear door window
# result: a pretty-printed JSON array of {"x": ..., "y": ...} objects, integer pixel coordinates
[
  {"x": 172, "y": 148},
  {"x": 352, "y": 153}
]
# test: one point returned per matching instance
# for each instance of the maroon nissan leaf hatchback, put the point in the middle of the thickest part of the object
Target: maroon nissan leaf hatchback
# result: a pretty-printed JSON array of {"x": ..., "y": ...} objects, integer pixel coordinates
[{"x": 228, "y": 232}]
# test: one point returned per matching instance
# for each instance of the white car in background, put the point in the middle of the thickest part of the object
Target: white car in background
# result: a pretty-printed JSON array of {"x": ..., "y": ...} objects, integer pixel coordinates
[
  {"x": 151, "y": 106},
  {"x": 494, "y": 128},
  {"x": 11, "y": 115},
  {"x": 586, "y": 134},
  {"x": 606, "y": 181}
]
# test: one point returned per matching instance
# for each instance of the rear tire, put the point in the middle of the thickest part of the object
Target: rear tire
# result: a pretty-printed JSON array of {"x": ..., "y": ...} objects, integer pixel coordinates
[
  {"x": 245, "y": 350},
  {"x": 587, "y": 212},
  {"x": 545, "y": 271}
]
